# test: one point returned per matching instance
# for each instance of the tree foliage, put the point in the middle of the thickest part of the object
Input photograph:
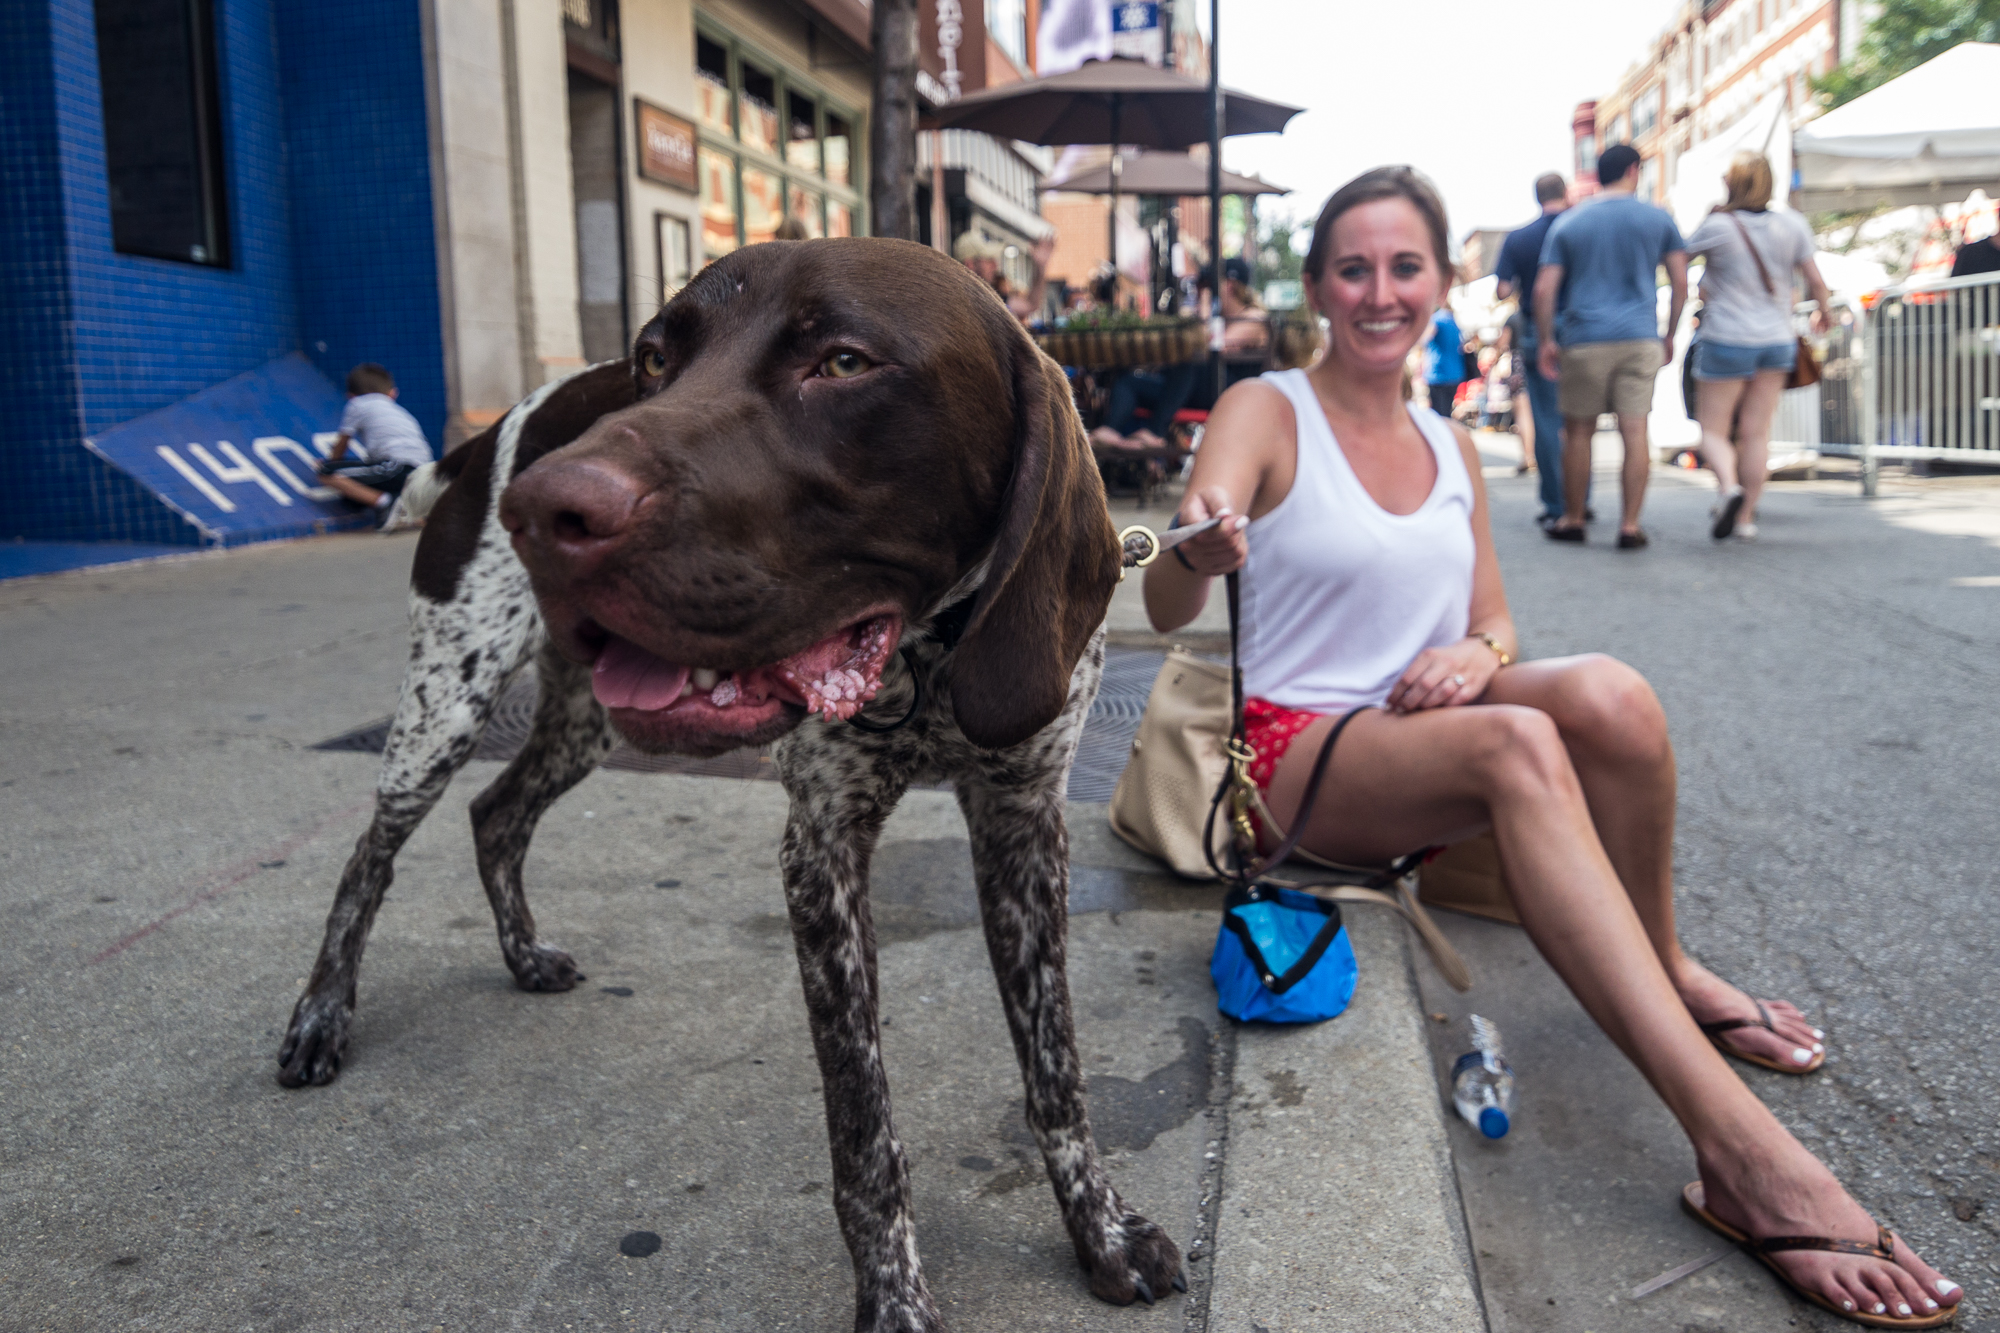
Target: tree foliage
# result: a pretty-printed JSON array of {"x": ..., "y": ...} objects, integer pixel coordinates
[
  {"x": 1902, "y": 36},
  {"x": 1275, "y": 256}
]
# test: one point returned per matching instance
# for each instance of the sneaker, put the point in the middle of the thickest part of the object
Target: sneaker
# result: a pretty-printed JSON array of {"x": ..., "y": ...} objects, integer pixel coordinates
[
  {"x": 1746, "y": 532},
  {"x": 1726, "y": 512}
]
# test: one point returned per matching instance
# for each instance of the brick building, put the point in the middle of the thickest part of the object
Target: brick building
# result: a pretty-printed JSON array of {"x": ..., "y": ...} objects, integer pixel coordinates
[{"x": 1714, "y": 62}]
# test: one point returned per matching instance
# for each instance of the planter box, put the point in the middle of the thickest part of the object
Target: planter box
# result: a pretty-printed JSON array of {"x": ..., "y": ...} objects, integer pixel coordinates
[{"x": 1166, "y": 343}]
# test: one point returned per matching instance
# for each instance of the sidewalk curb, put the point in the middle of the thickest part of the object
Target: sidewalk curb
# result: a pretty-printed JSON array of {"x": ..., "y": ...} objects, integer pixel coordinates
[{"x": 1340, "y": 1207}]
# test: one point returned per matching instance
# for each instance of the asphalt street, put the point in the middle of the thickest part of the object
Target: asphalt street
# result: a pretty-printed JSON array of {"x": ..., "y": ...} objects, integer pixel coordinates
[
  {"x": 1828, "y": 691},
  {"x": 647, "y": 1151}
]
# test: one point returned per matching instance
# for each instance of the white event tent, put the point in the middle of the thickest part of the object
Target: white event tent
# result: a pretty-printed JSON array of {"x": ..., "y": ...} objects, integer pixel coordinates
[{"x": 1927, "y": 137}]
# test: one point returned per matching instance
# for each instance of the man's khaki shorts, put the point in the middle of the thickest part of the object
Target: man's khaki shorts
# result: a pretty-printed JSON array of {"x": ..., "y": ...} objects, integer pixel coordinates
[{"x": 1608, "y": 377}]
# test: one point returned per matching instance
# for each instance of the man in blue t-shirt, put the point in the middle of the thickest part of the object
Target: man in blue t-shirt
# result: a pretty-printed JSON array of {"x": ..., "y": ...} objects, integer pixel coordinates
[
  {"x": 1598, "y": 268},
  {"x": 1520, "y": 260}
]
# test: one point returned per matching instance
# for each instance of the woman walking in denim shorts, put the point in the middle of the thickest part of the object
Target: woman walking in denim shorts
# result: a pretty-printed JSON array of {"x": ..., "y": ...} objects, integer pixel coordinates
[{"x": 1747, "y": 346}]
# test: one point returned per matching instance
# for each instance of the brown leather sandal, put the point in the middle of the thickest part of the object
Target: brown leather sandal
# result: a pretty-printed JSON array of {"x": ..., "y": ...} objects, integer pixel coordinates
[
  {"x": 1714, "y": 1033},
  {"x": 1762, "y": 1250}
]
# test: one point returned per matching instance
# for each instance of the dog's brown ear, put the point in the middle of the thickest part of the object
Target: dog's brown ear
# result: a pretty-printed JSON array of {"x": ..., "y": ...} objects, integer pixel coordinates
[{"x": 1051, "y": 572}]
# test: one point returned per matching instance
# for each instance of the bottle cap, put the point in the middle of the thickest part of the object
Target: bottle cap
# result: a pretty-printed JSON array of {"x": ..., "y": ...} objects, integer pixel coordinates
[{"x": 1493, "y": 1123}]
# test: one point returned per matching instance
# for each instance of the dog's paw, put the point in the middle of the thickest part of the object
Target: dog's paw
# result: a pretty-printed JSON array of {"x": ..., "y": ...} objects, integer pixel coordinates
[
  {"x": 314, "y": 1043},
  {"x": 911, "y": 1313},
  {"x": 1134, "y": 1261},
  {"x": 543, "y": 967}
]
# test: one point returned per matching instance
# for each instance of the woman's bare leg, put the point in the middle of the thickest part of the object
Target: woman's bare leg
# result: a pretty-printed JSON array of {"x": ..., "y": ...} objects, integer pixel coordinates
[
  {"x": 1753, "y": 437},
  {"x": 1616, "y": 735},
  {"x": 1715, "y": 407},
  {"x": 1399, "y": 782}
]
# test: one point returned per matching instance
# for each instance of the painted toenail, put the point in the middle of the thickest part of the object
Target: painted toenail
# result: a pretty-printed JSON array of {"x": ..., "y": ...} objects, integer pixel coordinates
[
  {"x": 1847, "y": 1305},
  {"x": 1802, "y": 1056},
  {"x": 1929, "y": 1304},
  {"x": 1903, "y": 1310},
  {"x": 1879, "y": 1308},
  {"x": 1818, "y": 1049},
  {"x": 1945, "y": 1288},
  {"x": 1818, "y": 1033}
]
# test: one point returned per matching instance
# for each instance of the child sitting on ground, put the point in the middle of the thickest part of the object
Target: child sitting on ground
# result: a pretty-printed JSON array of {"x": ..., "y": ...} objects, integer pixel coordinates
[{"x": 387, "y": 441}]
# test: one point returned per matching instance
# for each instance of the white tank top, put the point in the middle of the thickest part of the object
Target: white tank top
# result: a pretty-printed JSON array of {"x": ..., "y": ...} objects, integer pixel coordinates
[{"x": 1340, "y": 595}]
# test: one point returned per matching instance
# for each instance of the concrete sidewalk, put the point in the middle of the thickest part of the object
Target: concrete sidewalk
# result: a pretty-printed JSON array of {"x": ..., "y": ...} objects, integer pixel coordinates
[{"x": 172, "y": 846}]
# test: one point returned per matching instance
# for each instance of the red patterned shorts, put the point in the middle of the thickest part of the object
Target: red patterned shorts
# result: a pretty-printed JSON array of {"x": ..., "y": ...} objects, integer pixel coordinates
[{"x": 1270, "y": 729}]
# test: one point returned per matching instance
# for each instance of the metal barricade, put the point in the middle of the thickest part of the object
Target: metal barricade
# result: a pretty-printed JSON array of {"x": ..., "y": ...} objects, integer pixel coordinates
[{"x": 1926, "y": 381}]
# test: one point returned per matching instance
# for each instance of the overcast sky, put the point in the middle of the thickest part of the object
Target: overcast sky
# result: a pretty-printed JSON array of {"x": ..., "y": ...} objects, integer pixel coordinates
[{"x": 1476, "y": 95}]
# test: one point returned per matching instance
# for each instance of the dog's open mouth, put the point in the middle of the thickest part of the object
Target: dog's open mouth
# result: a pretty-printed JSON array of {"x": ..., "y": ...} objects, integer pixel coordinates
[{"x": 668, "y": 705}]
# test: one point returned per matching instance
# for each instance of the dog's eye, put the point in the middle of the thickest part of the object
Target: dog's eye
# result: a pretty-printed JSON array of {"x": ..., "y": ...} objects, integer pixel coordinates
[
  {"x": 652, "y": 362},
  {"x": 843, "y": 365}
]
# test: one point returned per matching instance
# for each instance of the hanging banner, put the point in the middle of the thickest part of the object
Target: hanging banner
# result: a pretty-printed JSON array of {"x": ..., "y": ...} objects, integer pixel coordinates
[
  {"x": 1135, "y": 30},
  {"x": 236, "y": 460},
  {"x": 1071, "y": 32}
]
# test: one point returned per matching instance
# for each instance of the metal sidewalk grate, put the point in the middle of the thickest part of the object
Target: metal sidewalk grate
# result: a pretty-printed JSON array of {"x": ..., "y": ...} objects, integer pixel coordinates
[{"x": 1107, "y": 733}]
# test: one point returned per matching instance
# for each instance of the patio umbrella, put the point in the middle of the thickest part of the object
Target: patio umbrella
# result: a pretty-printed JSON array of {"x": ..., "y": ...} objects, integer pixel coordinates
[
  {"x": 1114, "y": 102},
  {"x": 1160, "y": 173},
  {"x": 1110, "y": 101}
]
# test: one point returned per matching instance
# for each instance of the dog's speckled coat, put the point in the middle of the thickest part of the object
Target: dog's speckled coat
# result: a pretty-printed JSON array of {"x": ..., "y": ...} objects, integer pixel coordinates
[{"x": 872, "y": 506}]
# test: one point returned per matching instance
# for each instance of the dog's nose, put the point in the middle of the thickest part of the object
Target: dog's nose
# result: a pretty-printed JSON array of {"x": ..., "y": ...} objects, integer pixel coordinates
[{"x": 566, "y": 518}]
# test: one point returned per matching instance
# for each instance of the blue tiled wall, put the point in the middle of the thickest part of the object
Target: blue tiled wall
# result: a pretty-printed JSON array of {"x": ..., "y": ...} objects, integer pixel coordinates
[
  {"x": 49, "y": 485},
  {"x": 334, "y": 247},
  {"x": 358, "y": 133}
]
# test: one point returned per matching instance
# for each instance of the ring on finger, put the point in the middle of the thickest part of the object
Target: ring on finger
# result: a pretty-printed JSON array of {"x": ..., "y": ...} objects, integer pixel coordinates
[{"x": 1458, "y": 681}]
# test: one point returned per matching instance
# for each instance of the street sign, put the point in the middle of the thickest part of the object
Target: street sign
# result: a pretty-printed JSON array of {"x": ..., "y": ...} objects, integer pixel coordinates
[{"x": 236, "y": 460}]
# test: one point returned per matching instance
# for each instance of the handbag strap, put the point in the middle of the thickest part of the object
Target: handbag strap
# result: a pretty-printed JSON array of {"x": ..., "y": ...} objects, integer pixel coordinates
[
  {"x": 1449, "y": 964},
  {"x": 1770, "y": 288}
]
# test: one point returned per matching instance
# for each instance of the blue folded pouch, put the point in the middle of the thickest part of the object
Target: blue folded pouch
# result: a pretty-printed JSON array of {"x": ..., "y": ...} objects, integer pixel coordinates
[{"x": 1281, "y": 957}]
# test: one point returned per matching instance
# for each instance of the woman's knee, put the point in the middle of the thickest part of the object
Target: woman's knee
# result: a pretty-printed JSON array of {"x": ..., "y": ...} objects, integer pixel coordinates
[
  {"x": 1519, "y": 748},
  {"x": 1608, "y": 707}
]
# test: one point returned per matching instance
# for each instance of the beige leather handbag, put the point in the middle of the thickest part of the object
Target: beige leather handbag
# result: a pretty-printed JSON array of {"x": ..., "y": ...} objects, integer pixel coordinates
[{"x": 1176, "y": 766}]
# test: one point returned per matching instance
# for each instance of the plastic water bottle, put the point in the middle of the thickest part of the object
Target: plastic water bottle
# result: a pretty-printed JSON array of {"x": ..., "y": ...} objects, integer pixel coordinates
[{"x": 1482, "y": 1082}]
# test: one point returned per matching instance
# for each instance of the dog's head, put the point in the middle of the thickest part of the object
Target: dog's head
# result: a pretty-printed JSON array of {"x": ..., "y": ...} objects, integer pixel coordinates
[{"x": 829, "y": 438}]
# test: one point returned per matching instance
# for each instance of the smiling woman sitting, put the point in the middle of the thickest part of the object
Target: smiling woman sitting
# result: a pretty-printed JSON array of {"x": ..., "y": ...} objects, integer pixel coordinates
[{"x": 1369, "y": 582}]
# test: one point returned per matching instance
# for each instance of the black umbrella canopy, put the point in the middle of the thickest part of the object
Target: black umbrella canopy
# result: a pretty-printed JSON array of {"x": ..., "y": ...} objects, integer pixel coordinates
[
  {"x": 1111, "y": 101},
  {"x": 1162, "y": 174}
]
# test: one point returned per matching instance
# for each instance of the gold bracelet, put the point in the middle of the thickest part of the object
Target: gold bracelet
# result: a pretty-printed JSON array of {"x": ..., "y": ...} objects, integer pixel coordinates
[{"x": 1506, "y": 658}]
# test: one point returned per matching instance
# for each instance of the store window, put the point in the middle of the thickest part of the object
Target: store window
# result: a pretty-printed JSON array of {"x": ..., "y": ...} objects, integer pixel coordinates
[
  {"x": 805, "y": 205},
  {"x": 1586, "y": 155},
  {"x": 757, "y": 109},
  {"x": 771, "y": 148},
  {"x": 711, "y": 85},
  {"x": 1645, "y": 112},
  {"x": 162, "y": 129},
  {"x": 838, "y": 135},
  {"x": 718, "y": 203},
  {"x": 802, "y": 132},
  {"x": 1007, "y": 25}
]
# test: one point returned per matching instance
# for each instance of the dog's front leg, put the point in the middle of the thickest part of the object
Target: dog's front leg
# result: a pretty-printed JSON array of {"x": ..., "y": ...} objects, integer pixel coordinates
[
  {"x": 1020, "y": 856},
  {"x": 828, "y": 841}
]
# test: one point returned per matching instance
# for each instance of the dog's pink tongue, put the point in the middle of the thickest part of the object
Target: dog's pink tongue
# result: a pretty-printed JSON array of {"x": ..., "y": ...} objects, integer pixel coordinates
[{"x": 627, "y": 676}]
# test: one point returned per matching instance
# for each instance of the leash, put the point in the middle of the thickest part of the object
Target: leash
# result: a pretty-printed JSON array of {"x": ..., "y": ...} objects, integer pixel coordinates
[{"x": 1138, "y": 546}]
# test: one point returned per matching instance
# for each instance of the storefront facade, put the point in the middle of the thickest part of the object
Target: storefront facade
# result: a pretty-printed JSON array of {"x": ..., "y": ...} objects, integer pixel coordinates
[{"x": 489, "y": 196}]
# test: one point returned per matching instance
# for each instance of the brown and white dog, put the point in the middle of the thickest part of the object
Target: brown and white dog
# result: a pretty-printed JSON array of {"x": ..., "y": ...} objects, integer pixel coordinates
[{"x": 833, "y": 476}]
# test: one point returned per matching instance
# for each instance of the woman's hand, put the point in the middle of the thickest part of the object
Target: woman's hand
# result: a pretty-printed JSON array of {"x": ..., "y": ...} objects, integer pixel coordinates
[
  {"x": 1445, "y": 677},
  {"x": 1820, "y": 322},
  {"x": 1224, "y": 548}
]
